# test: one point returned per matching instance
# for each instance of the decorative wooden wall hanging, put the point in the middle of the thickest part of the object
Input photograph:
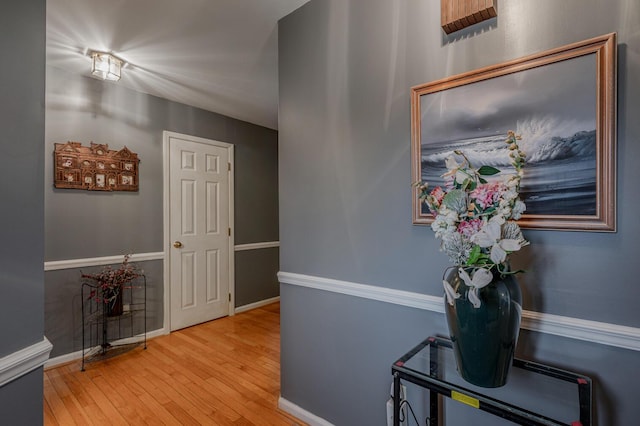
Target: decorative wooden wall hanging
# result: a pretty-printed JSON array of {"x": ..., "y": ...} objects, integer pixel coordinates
[
  {"x": 95, "y": 168},
  {"x": 459, "y": 14}
]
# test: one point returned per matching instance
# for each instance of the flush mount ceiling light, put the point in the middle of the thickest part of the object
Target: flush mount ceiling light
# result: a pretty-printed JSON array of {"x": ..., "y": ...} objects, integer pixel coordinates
[{"x": 105, "y": 66}]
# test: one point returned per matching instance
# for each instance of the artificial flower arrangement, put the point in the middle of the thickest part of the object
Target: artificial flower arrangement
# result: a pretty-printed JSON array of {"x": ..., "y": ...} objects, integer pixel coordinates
[
  {"x": 476, "y": 219},
  {"x": 110, "y": 281}
]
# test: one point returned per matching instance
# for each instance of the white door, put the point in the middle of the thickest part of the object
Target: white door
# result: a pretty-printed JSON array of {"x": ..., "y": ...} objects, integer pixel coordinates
[{"x": 199, "y": 229}]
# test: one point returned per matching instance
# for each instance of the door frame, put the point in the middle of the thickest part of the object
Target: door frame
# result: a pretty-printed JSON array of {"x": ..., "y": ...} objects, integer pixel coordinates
[{"x": 166, "y": 136}]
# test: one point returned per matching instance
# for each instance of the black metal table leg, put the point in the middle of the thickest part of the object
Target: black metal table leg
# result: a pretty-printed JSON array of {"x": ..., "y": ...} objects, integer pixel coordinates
[
  {"x": 584, "y": 396},
  {"x": 396, "y": 399},
  {"x": 433, "y": 372}
]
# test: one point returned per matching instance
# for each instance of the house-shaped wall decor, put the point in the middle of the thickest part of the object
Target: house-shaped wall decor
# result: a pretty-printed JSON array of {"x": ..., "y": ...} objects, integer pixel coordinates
[{"x": 95, "y": 168}]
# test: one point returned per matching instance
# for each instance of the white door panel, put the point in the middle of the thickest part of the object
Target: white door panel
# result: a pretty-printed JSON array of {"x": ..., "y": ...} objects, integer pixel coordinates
[{"x": 199, "y": 198}]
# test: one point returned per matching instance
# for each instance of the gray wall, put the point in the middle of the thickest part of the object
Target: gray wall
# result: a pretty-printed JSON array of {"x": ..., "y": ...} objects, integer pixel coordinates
[
  {"x": 346, "y": 68},
  {"x": 256, "y": 270},
  {"x": 85, "y": 224},
  {"x": 22, "y": 77}
]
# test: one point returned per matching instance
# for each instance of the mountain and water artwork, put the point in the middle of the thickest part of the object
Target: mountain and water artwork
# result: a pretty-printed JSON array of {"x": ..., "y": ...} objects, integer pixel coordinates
[
  {"x": 559, "y": 175},
  {"x": 562, "y": 103}
]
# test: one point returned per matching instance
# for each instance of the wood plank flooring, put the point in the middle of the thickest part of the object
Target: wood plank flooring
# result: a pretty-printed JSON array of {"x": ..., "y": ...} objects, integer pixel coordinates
[{"x": 224, "y": 372}]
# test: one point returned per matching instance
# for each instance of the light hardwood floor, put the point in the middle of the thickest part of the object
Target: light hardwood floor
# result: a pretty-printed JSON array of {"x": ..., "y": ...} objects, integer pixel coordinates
[{"x": 224, "y": 372}]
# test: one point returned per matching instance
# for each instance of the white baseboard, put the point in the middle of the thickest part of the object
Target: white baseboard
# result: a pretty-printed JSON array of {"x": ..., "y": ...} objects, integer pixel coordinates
[
  {"x": 62, "y": 359},
  {"x": 75, "y": 356},
  {"x": 574, "y": 328},
  {"x": 255, "y": 305},
  {"x": 24, "y": 361},
  {"x": 301, "y": 413}
]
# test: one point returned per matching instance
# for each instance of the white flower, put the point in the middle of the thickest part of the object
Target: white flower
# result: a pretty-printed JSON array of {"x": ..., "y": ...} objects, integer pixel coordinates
[
  {"x": 452, "y": 166},
  {"x": 462, "y": 175},
  {"x": 490, "y": 236},
  {"x": 505, "y": 211},
  {"x": 500, "y": 249},
  {"x": 510, "y": 195},
  {"x": 481, "y": 278},
  {"x": 472, "y": 294},
  {"x": 449, "y": 292},
  {"x": 451, "y": 163},
  {"x": 513, "y": 181},
  {"x": 445, "y": 222},
  {"x": 451, "y": 217},
  {"x": 458, "y": 171},
  {"x": 518, "y": 209},
  {"x": 489, "y": 233},
  {"x": 500, "y": 220},
  {"x": 439, "y": 226}
]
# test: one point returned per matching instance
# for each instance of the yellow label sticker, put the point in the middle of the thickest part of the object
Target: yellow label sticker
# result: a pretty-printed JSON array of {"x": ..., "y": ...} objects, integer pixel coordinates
[{"x": 465, "y": 399}]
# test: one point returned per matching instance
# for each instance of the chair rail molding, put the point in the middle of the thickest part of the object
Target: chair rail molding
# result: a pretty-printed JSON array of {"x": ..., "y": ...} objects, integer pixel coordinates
[
  {"x": 257, "y": 246},
  {"x": 54, "y": 265},
  {"x": 574, "y": 328},
  {"x": 23, "y": 361}
]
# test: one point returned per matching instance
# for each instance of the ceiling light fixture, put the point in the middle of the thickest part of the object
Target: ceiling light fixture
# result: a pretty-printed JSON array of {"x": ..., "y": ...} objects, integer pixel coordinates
[{"x": 105, "y": 66}]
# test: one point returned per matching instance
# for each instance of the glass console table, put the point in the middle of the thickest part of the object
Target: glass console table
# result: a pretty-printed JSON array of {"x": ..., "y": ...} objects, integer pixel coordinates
[{"x": 536, "y": 394}]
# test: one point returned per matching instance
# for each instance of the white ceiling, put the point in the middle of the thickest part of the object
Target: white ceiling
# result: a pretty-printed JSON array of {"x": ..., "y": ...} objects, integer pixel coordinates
[{"x": 219, "y": 55}]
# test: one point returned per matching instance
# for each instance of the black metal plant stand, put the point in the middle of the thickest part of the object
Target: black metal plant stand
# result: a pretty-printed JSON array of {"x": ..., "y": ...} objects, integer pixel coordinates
[{"x": 104, "y": 334}]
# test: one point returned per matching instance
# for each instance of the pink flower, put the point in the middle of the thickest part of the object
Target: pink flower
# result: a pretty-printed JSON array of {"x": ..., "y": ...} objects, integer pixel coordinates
[
  {"x": 434, "y": 199},
  {"x": 469, "y": 227},
  {"x": 438, "y": 194},
  {"x": 487, "y": 194}
]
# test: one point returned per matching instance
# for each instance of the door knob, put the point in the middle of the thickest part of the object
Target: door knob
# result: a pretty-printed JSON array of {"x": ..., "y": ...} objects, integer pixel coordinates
[{"x": 177, "y": 244}]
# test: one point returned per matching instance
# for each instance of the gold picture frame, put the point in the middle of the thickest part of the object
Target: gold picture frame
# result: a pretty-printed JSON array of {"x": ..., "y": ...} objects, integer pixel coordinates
[{"x": 563, "y": 101}]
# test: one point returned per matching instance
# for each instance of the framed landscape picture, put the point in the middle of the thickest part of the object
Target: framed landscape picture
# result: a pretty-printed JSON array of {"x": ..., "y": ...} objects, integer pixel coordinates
[{"x": 563, "y": 104}]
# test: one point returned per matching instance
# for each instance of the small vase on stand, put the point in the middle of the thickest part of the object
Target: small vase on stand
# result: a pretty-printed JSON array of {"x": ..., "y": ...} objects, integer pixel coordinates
[
  {"x": 114, "y": 305},
  {"x": 484, "y": 337}
]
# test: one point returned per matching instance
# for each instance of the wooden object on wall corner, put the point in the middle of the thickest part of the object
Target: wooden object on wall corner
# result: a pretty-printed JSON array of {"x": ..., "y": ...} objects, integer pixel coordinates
[{"x": 458, "y": 14}]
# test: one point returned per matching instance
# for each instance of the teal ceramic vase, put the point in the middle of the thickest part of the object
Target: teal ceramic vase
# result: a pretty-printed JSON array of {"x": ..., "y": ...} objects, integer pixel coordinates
[{"x": 484, "y": 338}]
